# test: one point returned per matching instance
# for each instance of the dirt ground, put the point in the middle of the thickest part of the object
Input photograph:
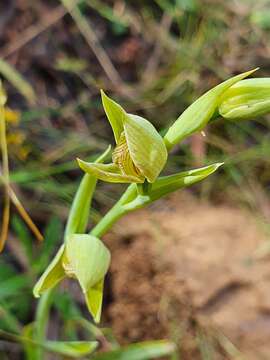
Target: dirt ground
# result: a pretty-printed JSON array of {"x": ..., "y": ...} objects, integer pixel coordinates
[{"x": 185, "y": 269}]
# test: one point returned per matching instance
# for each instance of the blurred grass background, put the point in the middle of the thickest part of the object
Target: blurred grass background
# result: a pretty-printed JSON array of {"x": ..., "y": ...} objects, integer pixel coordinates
[{"x": 153, "y": 57}]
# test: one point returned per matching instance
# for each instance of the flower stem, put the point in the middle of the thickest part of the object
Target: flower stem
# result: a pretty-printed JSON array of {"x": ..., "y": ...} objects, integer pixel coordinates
[
  {"x": 108, "y": 220},
  {"x": 115, "y": 213},
  {"x": 42, "y": 318}
]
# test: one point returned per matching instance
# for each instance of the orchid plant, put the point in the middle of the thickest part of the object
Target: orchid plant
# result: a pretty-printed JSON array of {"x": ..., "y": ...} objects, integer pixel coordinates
[{"x": 138, "y": 158}]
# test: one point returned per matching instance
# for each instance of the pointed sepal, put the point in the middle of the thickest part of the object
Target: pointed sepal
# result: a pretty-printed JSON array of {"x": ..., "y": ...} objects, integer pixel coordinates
[
  {"x": 168, "y": 184},
  {"x": 52, "y": 275},
  {"x": 108, "y": 172},
  {"x": 94, "y": 298},
  {"x": 115, "y": 114}
]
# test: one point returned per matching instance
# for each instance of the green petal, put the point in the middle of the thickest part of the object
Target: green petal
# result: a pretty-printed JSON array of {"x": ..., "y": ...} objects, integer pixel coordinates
[
  {"x": 146, "y": 146},
  {"x": 121, "y": 158},
  {"x": 93, "y": 298},
  {"x": 197, "y": 115},
  {"x": 108, "y": 172},
  {"x": 247, "y": 99},
  {"x": 89, "y": 259},
  {"x": 52, "y": 275},
  {"x": 115, "y": 114}
]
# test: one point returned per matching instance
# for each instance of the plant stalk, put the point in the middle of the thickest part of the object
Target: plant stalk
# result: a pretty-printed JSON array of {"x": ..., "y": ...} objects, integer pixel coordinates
[
  {"x": 115, "y": 213},
  {"x": 42, "y": 319}
]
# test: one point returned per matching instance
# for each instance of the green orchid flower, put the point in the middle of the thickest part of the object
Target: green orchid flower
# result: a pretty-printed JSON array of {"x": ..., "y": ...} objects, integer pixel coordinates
[
  {"x": 84, "y": 258},
  {"x": 246, "y": 99},
  {"x": 140, "y": 153}
]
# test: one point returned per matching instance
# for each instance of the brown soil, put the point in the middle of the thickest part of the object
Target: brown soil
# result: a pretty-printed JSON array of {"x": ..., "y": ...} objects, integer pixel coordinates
[{"x": 185, "y": 268}]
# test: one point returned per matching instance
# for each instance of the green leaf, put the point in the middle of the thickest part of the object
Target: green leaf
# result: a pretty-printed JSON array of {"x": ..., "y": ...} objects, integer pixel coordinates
[
  {"x": 89, "y": 259},
  {"x": 52, "y": 275},
  {"x": 198, "y": 114},
  {"x": 246, "y": 99},
  {"x": 17, "y": 80},
  {"x": 31, "y": 351},
  {"x": 115, "y": 114},
  {"x": 147, "y": 148},
  {"x": 140, "y": 351},
  {"x": 79, "y": 212},
  {"x": 94, "y": 298},
  {"x": 24, "y": 236},
  {"x": 74, "y": 349},
  {"x": 9, "y": 320},
  {"x": 108, "y": 172},
  {"x": 12, "y": 287},
  {"x": 52, "y": 234}
]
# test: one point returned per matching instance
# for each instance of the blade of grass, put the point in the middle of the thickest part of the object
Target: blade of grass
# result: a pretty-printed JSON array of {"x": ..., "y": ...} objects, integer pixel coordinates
[
  {"x": 21, "y": 210},
  {"x": 49, "y": 19},
  {"x": 17, "y": 80},
  {"x": 230, "y": 348},
  {"x": 24, "y": 214},
  {"x": 4, "y": 150},
  {"x": 71, "y": 349},
  {"x": 93, "y": 42},
  {"x": 139, "y": 351}
]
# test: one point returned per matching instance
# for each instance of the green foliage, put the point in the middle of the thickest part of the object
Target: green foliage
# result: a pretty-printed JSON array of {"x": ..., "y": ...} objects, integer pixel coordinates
[
  {"x": 140, "y": 351},
  {"x": 190, "y": 50},
  {"x": 72, "y": 349}
]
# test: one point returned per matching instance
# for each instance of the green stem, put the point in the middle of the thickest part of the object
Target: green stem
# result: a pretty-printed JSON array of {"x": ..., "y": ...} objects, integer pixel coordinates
[
  {"x": 108, "y": 220},
  {"x": 115, "y": 213},
  {"x": 42, "y": 318}
]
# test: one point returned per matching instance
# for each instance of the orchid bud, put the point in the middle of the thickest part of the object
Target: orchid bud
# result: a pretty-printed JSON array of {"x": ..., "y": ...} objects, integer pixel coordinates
[
  {"x": 246, "y": 99},
  {"x": 198, "y": 114},
  {"x": 84, "y": 258},
  {"x": 140, "y": 153}
]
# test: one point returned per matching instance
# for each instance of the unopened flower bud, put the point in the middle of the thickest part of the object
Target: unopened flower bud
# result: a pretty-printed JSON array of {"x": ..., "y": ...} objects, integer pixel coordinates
[{"x": 246, "y": 99}]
